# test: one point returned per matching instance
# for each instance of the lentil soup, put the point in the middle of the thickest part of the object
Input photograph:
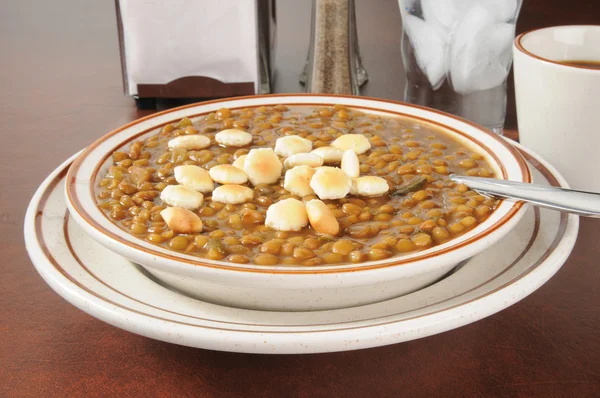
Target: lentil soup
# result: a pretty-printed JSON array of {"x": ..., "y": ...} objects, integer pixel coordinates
[{"x": 421, "y": 207}]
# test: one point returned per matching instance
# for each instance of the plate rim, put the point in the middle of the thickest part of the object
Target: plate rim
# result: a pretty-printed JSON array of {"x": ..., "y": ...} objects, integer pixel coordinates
[{"x": 478, "y": 308}]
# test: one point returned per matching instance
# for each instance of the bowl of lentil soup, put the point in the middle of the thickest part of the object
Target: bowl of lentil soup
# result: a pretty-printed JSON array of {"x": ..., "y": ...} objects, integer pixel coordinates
[{"x": 294, "y": 202}]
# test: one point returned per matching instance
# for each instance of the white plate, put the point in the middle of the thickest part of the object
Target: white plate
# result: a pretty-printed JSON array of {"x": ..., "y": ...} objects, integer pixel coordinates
[{"x": 118, "y": 292}]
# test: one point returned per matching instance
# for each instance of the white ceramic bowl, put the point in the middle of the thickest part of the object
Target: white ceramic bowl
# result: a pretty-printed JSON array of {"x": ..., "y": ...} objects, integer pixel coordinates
[{"x": 294, "y": 288}]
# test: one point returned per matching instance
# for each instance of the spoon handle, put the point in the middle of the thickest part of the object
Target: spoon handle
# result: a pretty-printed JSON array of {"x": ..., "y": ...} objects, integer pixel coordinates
[{"x": 585, "y": 204}]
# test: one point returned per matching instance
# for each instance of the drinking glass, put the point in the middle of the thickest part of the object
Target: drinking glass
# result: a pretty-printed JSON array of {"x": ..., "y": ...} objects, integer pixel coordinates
[{"x": 457, "y": 55}]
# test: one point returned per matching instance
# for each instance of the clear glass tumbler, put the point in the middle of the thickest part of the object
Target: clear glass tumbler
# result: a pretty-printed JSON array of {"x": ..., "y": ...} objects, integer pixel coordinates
[{"x": 457, "y": 55}]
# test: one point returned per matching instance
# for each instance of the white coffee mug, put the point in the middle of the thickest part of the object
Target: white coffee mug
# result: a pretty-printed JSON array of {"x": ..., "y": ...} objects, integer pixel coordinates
[{"x": 558, "y": 105}]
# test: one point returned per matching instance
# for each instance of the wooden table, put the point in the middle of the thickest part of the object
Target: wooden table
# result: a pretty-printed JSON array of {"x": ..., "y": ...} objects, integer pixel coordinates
[{"x": 61, "y": 89}]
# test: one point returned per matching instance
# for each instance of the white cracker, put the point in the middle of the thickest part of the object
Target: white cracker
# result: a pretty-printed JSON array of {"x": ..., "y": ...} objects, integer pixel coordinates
[
  {"x": 369, "y": 186},
  {"x": 194, "y": 177},
  {"x": 239, "y": 162},
  {"x": 329, "y": 154},
  {"x": 297, "y": 180},
  {"x": 287, "y": 215},
  {"x": 326, "y": 168},
  {"x": 321, "y": 218},
  {"x": 262, "y": 166},
  {"x": 357, "y": 142},
  {"x": 300, "y": 159},
  {"x": 292, "y": 144},
  {"x": 228, "y": 174},
  {"x": 181, "y": 196},
  {"x": 181, "y": 220},
  {"x": 233, "y": 137},
  {"x": 232, "y": 194},
  {"x": 330, "y": 183},
  {"x": 189, "y": 142},
  {"x": 350, "y": 164}
]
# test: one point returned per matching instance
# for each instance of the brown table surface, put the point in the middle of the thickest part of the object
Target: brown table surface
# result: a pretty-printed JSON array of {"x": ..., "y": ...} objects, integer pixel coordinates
[{"x": 61, "y": 88}]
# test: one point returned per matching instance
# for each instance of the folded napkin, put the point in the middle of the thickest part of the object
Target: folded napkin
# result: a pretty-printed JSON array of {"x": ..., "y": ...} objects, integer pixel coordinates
[{"x": 164, "y": 40}]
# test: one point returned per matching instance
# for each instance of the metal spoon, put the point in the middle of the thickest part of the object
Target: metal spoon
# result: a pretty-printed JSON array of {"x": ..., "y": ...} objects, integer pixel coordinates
[{"x": 585, "y": 204}]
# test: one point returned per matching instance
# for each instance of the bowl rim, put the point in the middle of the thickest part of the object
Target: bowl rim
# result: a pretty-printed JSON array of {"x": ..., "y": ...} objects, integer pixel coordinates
[{"x": 129, "y": 243}]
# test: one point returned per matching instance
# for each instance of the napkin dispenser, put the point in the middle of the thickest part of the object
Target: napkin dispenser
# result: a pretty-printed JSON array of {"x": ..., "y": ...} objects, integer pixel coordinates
[{"x": 180, "y": 49}]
